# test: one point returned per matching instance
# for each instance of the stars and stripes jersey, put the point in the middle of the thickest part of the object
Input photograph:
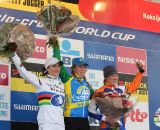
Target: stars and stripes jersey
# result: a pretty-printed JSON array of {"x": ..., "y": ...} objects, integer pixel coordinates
[
  {"x": 93, "y": 108},
  {"x": 50, "y": 93}
]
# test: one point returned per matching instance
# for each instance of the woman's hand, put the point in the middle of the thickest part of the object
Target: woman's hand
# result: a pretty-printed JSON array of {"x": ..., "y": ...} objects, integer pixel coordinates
[{"x": 140, "y": 67}]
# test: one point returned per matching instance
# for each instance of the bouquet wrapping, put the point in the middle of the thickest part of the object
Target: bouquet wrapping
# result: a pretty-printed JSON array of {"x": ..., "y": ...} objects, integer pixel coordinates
[
  {"x": 58, "y": 21},
  {"x": 114, "y": 106},
  {"x": 16, "y": 38}
]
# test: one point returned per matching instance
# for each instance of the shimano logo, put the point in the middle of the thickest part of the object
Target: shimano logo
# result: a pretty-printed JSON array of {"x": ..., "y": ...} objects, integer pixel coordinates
[
  {"x": 26, "y": 107},
  {"x": 100, "y": 57},
  {"x": 29, "y": 22},
  {"x": 105, "y": 33}
]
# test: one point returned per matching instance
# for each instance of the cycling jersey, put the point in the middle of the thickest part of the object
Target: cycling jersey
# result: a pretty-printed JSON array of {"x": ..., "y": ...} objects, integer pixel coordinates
[
  {"x": 77, "y": 90},
  {"x": 115, "y": 90},
  {"x": 50, "y": 93}
]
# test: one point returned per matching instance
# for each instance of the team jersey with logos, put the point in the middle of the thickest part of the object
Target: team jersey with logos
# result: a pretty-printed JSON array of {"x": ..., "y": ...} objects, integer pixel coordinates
[
  {"x": 50, "y": 93},
  {"x": 77, "y": 90},
  {"x": 132, "y": 87}
]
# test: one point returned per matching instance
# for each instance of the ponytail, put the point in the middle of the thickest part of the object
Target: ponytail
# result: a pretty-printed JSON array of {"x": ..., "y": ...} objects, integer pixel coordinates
[{"x": 44, "y": 71}]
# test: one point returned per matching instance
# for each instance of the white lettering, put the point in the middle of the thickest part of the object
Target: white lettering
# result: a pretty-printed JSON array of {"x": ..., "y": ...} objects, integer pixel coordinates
[
  {"x": 151, "y": 17},
  {"x": 26, "y": 107},
  {"x": 40, "y": 49},
  {"x": 100, "y": 57},
  {"x": 130, "y": 60},
  {"x": 104, "y": 33},
  {"x": 3, "y": 76}
]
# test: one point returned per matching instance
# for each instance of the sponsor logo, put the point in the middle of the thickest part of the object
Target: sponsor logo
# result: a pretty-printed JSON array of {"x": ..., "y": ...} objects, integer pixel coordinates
[
  {"x": 130, "y": 60},
  {"x": 137, "y": 116},
  {"x": 5, "y": 103},
  {"x": 83, "y": 93},
  {"x": 127, "y": 58},
  {"x": 122, "y": 17},
  {"x": 3, "y": 75},
  {"x": 26, "y": 18},
  {"x": 105, "y": 33},
  {"x": 26, "y": 107},
  {"x": 32, "y": 3},
  {"x": 40, "y": 49},
  {"x": 100, "y": 57},
  {"x": 70, "y": 49},
  {"x": 95, "y": 78},
  {"x": 57, "y": 100},
  {"x": 25, "y": 21},
  {"x": 66, "y": 49},
  {"x": 151, "y": 17}
]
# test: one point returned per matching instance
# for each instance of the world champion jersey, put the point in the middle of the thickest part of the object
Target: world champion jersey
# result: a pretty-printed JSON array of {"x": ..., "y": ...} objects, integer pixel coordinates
[{"x": 50, "y": 93}]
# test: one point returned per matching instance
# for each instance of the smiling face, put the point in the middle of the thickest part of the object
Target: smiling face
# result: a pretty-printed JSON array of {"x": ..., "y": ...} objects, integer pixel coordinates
[
  {"x": 54, "y": 70},
  {"x": 111, "y": 80},
  {"x": 80, "y": 70}
]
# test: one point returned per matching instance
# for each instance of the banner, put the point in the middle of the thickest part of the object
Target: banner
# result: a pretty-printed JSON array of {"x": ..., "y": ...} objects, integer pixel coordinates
[
  {"x": 69, "y": 49},
  {"x": 24, "y": 107},
  {"x": 153, "y": 89},
  {"x": 100, "y": 57},
  {"x": 5, "y": 125},
  {"x": 127, "y": 59},
  {"x": 4, "y": 92},
  {"x": 20, "y": 84},
  {"x": 101, "y": 33},
  {"x": 138, "y": 118},
  {"x": 136, "y": 14}
]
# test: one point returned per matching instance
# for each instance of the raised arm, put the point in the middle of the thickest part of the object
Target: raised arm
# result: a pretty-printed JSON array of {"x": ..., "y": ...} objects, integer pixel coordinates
[
  {"x": 133, "y": 86},
  {"x": 63, "y": 73},
  {"x": 30, "y": 77}
]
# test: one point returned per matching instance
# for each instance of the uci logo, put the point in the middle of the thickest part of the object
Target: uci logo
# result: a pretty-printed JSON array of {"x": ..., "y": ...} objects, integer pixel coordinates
[
  {"x": 57, "y": 100},
  {"x": 68, "y": 52}
]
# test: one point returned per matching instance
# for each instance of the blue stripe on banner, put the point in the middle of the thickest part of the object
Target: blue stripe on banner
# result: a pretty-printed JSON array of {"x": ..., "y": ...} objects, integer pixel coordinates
[
  {"x": 102, "y": 33},
  {"x": 5, "y": 125},
  {"x": 154, "y": 88},
  {"x": 24, "y": 106}
]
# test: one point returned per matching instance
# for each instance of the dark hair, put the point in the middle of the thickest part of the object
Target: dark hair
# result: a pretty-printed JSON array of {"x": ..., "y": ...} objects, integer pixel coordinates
[
  {"x": 44, "y": 71},
  {"x": 109, "y": 70},
  {"x": 104, "y": 81},
  {"x": 73, "y": 74}
]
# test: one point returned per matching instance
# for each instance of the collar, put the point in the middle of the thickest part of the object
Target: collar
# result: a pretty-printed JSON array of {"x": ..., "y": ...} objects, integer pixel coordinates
[
  {"x": 110, "y": 86},
  {"x": 52, "y": 77},
  {"x": 78, "y": 77}
]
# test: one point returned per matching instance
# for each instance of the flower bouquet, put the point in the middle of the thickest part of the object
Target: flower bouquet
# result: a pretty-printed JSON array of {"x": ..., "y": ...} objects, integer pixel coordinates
[
  {"x": 16, "y": 38},
  {"x": 114, "y": 105},
  {"x": 57, "y": 20}
]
